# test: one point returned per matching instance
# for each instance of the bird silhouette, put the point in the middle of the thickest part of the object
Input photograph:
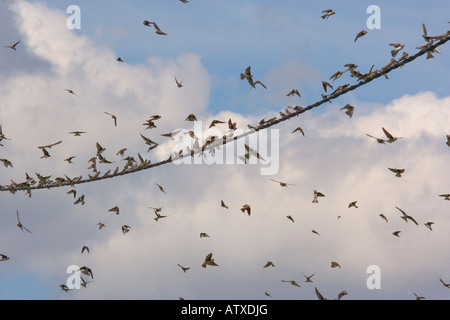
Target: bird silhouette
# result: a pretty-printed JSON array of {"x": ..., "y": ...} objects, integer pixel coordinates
[
  {"x": 13, "y": 46},
  {"x": 19, "y": 224}
]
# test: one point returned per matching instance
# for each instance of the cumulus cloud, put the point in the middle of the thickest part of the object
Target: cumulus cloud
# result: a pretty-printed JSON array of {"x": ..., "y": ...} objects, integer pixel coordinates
[{"x": 335, "y": 157}]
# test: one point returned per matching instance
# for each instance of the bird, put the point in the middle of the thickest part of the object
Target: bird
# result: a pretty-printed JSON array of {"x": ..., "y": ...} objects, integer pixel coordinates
[
  {"x": 448, "y": 140},
  {"x": 71, "y": 92},
  {"x": 397, "y": 48},
  {"x": 184, "y": 268},
  {"x": 245, "y": 208},
  {"x": 396, "y": 233},
  {"x": 161, "y": 188},
  {"x": 157, "y": 29},
  {"x": 49, "y": 146},
  {"x": 209, "y": 261},
  {"x": 4, "y": 257},
  {"x": 398, "y": 172},
  {"x": 319, "y": 295},
  {"x": 283, "y": 184},
  {"x": 327, "y": 13},
  {"x": 379, "y": 140},
  {"x": 446, "y": 196},
  {"x": 300, "y": 130},
  {"x": 179, "y": 83},
  {"x": 184, "y": 1},
  {"x": 190, "y": 117},
  {"x": 349, "y": 109},
  {"x": 115, "y": 210},
  {"x": 13, "y": 46},
  {"x": 158, "y": 216},
  {"x": 269, "y": 264},
  {"x": 429, "y": 224},
  {"x": 204, "y": 235},
  {"x": 85, "y": 248},
  {"x": 360, "y": 34},
  {"x": 292, "y": 92},
  {"x": 6, "y": 163},
  {"x": 64, "y": 287},
  {"x": 171, "y": 134},
  {"x": 77, "y": 133},
  {"x": 87, "y": 271},
  {"x": 267, "y": 294},
  {"x": 114, "y": 118},
  {"x": 100, "y": 225},
  {"x": 84, "y": 282},
  {"x": 352, "y": 204},
  {"x": 120, "y": 59},
  {"x": 223, "y": 205},
  {"x": 19, "y": 224},
  {"x": 406, "y": 216},
  {"x": 80, "y": 200},
  {"x": 290, "y": 218},
  {"x": 383, "y": 217},
  {"x": 46, "y": 153},
  {"x": 316, "y": 195},
  {"x": 418, "y": 297},
  {"x": 341, "y": 294},
  {"x": 447, "y": 285},
  {"x": 248, "y": 75},
  {"x": 291, "y": 282},
  {"x": 391, "y": 138},
  {"x": 314, "y": 231},
  {"x": 308, "y": 278},
  {"x": 125, "y": 228},
  {"x": 336, "y": 75},
  {"x": 325, "y": 85},
  {"x": 334, "y": 264}
]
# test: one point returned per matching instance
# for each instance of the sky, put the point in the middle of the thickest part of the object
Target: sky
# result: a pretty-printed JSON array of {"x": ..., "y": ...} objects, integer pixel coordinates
[{"x": 207, "y": 45}]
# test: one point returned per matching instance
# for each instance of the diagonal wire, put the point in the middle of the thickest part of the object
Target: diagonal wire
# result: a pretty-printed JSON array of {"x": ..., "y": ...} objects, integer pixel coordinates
[{"x": 427, "y": 49}]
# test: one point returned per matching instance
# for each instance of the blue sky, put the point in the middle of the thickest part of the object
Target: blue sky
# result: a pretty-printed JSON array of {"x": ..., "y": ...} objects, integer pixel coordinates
[{"x": 208, "y": 45}]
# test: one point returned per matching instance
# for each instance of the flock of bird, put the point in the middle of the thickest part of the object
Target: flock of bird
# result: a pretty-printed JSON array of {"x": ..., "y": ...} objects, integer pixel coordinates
[{"x": 131, "y": 164}]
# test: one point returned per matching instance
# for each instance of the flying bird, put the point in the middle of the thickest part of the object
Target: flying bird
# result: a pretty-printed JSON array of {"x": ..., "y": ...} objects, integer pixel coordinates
[
  {"x": 291, "y": 282},
  {"x": 316, "y": 195},
  {"x": 49, "y": 146},
  {"x": 158, "y": 216},
  {"x": 114, "y": 118},
  {"x": 391, "y": 138},
  {"x": 87, "y": 271},
  {"x": 406, "y": 216},
  {"x": 6, "y": 163},
  {"x": 184, "y": 268},
  {"x": 85, "y": 248},
  {"x": 290, "y": 218},
  {"x": 396, "y": 233},
  {"x": 429, "y": 224},
  {"x": 349, "y": 109},
  {"x": 300, "y": 130},
  {"x": 209, "y": 261},
  {"x": 77, "y": 133},
  {"x": 334, "y": 264},
  {"x": 100, "y": 225},
  {"x": 326, "y": 85},
  {"x": 19, "y": 224},
  {"x": 314, "y": 231},
  {"x": 248, "y": 75},
  {"x": 308, "y": 278},
  {"x": 327, "y": 13},
  {"x": 319, "y": 295},
  {"x": 398, "y": 172},
  {"x": 161, "y": 188},
  {"x": 5, "y": 257},
  {"x": 283, "y": 184},
  {"x": 360, "y": 34},
  {"x": 352, "y": 204},
  {"x": 292, "y": 92},
  {"x": 190, "y": 117},
  {"x": 446, "y": 196},
  {"x": 269, "y": 264},
  {"x": 125, "y": 229},
  {"x": 397, "y": 48},
  {"x": 245, "y": 208},
  {"x": 383, "y": 217},
  {"x": 13, "y": 46},
  {"x": 447, "y": 285},
  {"x": 71, "y": 92},
  {"x": 115, "y": 210},
  {"x": 204, "y": 235},
  {"x": 222, "y": 204},
  {"x": 179, "y": 83},
  {"x": 341, "y": 294},
  {"x": 157, "y": 29},
  {"x": 379, "y": 140},
  {"x": 120, "y": 59}
]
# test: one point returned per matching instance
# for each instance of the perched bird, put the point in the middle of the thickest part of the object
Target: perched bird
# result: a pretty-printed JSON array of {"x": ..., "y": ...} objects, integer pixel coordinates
[
  {"x": 184, "y": 268},
  {"x": 115, "y": 210},
  {"x": 269, "y": 264},
  {"x": 13, "y": 46},
  {"x": 19, "y": 224},
  {"x": 291, "y": 282},
  {"x": 292, "y": 92},
  {"x": 308, "y": 278},
  {"x": 179, "y": 83},
  {"x": 245, "y": 208},
  {"x": 114, "y": 118},
  {"x": 398, "y": 172},
  {"x": 290, "y": 218},
  {"x": 429, "y": 224},
  {"x": 222, "y": 204},
  {"x": 316, "y": 195},
  {"x": 383, "y": 217},
  {"x": 352, "y": 204},
  {"x": 396, "y": 233},
  {"x": 349, "y": 109},
  {"x": 300, "y": 130},
  {"x": 209, "y": 261},
  {"x": 327, "y": 13},
  {"x": 334, "y": 264},
  {"x": 406, "y": 216},
  {"x": 360, "y": 34},
  {"x": 283, "y": 184},
  {"x": 85, "y": 248}
]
